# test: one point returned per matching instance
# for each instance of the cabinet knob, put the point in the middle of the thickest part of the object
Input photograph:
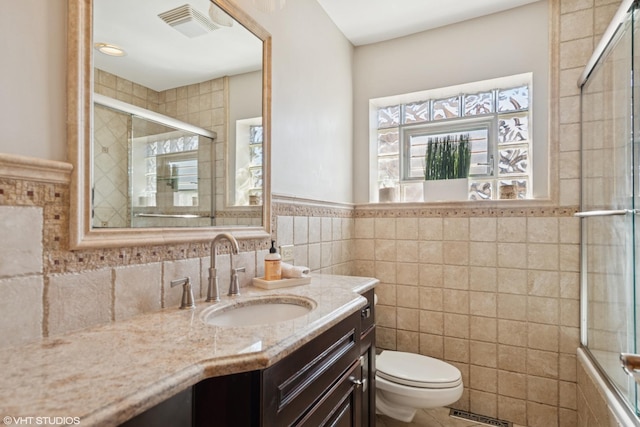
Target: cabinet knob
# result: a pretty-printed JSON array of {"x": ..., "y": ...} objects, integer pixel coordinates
[{"x": 366, "y": 312}]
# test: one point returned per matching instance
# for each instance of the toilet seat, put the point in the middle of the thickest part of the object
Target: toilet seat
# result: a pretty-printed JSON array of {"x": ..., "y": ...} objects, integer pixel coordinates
[{"x": 416, "y": 370}]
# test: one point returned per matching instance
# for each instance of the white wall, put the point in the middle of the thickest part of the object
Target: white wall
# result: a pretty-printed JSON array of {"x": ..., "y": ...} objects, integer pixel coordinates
[
  {"x": 507, "y": 43},
  {"x": 312, "y": 103},
  {"x": 33, "y": 78}
]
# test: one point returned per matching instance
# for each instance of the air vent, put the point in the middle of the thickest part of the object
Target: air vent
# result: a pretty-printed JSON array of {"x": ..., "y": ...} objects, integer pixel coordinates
[{"x": 188, "y": 21}]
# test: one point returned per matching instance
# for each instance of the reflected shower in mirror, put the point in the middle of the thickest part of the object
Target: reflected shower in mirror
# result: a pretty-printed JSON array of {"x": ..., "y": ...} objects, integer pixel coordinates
[{"x": 169, "y": 111}]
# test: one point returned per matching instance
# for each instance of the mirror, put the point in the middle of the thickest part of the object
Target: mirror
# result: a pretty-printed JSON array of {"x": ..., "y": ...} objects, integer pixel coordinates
[{"x": 170, "y": 138}]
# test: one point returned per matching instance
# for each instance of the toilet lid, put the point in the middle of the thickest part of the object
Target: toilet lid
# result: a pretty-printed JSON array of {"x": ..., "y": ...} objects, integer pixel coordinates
[{"x": 416, "y": 370}]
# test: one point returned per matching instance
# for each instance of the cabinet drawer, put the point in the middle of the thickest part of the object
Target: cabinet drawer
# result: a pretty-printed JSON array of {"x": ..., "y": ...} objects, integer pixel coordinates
[{"x": 292, "y": 386}]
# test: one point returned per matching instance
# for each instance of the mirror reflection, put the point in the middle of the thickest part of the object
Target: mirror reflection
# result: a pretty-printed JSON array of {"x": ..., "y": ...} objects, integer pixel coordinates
[{"x": 177, "y": 110}]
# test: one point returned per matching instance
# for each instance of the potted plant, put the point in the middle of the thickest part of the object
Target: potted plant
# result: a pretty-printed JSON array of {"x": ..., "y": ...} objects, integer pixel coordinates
[{"x": 447, "y": 163}]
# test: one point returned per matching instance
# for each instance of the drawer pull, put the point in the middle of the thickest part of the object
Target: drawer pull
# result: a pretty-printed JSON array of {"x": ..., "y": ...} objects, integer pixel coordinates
[
  {"x": 366, "y": 312},
  {"x": 355, "y": 381}
]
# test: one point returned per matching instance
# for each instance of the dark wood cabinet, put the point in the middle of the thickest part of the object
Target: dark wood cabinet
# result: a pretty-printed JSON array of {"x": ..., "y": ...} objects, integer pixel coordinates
[{"x": 330, "y": 381}]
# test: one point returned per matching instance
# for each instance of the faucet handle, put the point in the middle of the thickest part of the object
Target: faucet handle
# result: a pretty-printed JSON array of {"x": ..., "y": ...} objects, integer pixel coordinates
[
  {"x": 234, "y": 286},
  {"x": 187, "y": 292}
]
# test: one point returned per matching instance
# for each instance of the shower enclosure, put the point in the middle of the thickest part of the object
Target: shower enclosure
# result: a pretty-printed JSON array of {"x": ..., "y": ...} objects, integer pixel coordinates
[
  {"x": 610, "y": 103},
  {"x": 149, "y": 170}
]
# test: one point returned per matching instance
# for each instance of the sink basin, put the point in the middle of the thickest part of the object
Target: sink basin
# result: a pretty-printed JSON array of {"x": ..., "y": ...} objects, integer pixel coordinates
[{"x": 258, "y": 311}]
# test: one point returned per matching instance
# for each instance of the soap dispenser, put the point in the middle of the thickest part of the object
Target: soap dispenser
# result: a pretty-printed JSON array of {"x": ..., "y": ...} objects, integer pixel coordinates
[{"x": 273, "y": 264}]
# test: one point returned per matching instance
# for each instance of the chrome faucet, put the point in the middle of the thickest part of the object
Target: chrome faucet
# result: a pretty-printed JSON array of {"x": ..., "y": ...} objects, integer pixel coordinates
[{"x": 213, "y": 293}]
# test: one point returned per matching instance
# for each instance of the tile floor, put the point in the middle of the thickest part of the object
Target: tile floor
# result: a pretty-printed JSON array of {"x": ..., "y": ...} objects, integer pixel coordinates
[{"x": 438, "y": 417}]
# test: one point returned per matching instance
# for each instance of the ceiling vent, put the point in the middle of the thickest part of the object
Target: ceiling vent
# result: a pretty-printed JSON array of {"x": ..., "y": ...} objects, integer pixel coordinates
[{"x": 188, "y": 21}]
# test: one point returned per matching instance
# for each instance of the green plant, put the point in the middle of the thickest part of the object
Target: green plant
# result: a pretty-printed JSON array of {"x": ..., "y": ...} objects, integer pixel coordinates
[{"x": 447, "y": 157}]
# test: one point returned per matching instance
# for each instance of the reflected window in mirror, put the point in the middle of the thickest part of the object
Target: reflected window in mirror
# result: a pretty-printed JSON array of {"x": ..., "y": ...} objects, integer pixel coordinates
[{"x": 249, "y": 147}]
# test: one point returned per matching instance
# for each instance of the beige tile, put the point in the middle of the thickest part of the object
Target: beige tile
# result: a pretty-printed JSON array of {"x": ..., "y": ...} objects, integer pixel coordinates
[
  {"x": 431, "y": 299},
  {"x": 21, "y": 249},
  {"x": 512, "y": 230},
  {"x": 456, "y": 253},
  {"x": 512, "y": 358},
  {"x": 456, "y": 349},
  {"x": 432, "y": 322},
  {"x": 431, "y": 345},
  {"x": 483, "y": 304},
  {"x": 456, "y": 325},
  {"x": 543, "y": 310},
  {"x": 385, "y": 338},
  {"x": 365, "y": 249},
  {"x": 514, "y": 410},
  {"x": 512, "y": 307},
  {"x": 569, "y": 312},
  {"x": 512, "y": 281},
  {"x": 542, "y": 230},
  {"x": 512, "y": 255},
  {"x": 570, "y": 285},
  {"x": 385, "y": 250},
  {"x": 483, "y": 229},
  {"x": 408, "y": 341},
  {"x": 576, "y": 25},
  {"x": 408, "y": 319},
  {"x": 567, "y": 367},
  {"x": 483, "y": 403},
  {"x": 430, "y": 229},
  {"x": 456, "y": 277},
  {"x": 78, "y": 301},
  {"x": 326, "y": 232},
  {"x": 336, "y": 228},
  {"x": 300, "y": 230},
  {"x": 567, "y": 395},
  {"x": 407, "y": 228},
  {"x": 542, "y": 363},
  {"x": 385, "y": 271},
  {"x": 408, "y": 251},
  {"x": 483, "y": 329},
  {"x": 138, "y": 289},
  {"x": 569, "y": 339},
  {"x": 483, "y": 254},
  {"x": 408, "y": 296},
  {"x": 569, "y": 257},
  {"x": 408, "y": 274},
  {"x": 542, "y": 390},
  {"x": 567, "y": 417},
  {"x": 431, "y": 252},
  {"x": 386, "y": 316},
  {"x": 315, "y": 229},
  {"x": 21, "y": 308},
  {"x": 483, "y": 279},
  {"x": 385, "y": 228},
  {"x": 483, "y": 354},
  {"x": 512, "y": 384},
  {"x": 512, "y": 332},
  {"x": 431, "y": 275},
  {"x": 456, "y": 229},
  {"x": 455, "y": 301},
  {"x": 543, "y": 337},
  {"x": 542, "y": 256},
  {"x": 543, "y": 283}
]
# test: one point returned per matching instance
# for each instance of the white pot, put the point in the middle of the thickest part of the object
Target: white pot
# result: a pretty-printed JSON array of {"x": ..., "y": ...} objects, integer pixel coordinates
[{"x": 446, "y": 190}]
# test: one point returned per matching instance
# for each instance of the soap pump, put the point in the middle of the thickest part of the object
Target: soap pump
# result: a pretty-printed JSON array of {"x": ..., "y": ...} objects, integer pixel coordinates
[{"x": 273, "y": 264}]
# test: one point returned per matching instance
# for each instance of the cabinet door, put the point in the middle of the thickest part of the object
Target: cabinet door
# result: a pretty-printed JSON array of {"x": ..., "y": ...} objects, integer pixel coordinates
[{"x": 340, "y": 406}]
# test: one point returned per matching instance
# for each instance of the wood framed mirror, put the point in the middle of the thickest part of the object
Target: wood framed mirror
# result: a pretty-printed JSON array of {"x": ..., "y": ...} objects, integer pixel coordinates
[{"x": 167, "y": 148}]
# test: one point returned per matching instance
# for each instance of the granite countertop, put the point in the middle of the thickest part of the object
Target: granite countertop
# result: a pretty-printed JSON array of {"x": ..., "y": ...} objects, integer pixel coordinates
[{"x": 108, "y": 374}]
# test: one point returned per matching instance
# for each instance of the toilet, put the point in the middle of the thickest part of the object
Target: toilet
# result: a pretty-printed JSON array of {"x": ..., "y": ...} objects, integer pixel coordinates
[{"x": 406, "y": 382}]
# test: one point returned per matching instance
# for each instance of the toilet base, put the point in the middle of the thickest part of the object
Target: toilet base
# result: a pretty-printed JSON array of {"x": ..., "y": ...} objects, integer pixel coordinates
[{"x": 399, "y": 413}]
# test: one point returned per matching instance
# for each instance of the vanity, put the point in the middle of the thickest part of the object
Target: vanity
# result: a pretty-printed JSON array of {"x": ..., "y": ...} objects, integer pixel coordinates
[{"x": 315, "y": 369}]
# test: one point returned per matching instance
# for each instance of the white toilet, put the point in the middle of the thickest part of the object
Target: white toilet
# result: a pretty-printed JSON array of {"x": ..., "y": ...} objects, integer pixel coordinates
[{"x": 406, "y": 382}]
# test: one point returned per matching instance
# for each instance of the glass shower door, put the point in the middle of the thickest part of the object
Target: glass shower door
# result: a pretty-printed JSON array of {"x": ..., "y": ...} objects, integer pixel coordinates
[{"x": 607, "y": 206}]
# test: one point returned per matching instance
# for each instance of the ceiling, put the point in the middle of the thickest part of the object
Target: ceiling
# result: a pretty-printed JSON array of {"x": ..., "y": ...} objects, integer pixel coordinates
[
  {"x": 370, "y": 21},
  {"x": 160, "y": 58}
]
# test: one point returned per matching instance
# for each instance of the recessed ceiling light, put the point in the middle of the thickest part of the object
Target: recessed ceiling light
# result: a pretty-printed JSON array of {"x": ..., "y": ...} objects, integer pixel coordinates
[{"x": 109, "y": 49}]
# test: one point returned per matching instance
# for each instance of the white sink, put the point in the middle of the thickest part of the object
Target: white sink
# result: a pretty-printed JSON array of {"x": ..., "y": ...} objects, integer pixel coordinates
[{"x": 258, "y": 311}]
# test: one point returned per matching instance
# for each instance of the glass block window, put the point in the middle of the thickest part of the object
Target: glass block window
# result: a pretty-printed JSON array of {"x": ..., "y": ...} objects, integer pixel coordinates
[{"x": 496, "y": 115}]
